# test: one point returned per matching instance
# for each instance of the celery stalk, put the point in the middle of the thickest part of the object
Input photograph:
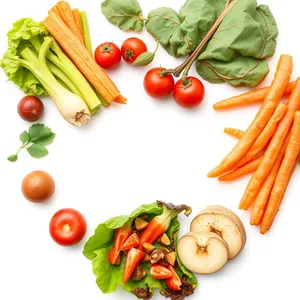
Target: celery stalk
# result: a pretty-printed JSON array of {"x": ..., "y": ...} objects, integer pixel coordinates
[
  {"x": 60, "y": 60},
  {"x": 86, "y": 32},
  {"x": 72, "y": 107}
]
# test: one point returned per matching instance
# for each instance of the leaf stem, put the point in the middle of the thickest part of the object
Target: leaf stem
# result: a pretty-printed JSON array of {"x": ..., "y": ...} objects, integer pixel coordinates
[{"x": 186, "y": 65}]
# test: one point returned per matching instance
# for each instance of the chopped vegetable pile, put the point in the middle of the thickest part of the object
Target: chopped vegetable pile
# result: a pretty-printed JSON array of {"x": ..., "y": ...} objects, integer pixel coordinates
[{"x": 138, "y": 252}]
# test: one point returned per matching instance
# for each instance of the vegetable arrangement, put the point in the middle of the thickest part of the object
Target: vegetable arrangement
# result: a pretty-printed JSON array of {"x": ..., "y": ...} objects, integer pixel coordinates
[
  {"x": 215, "y": 35},
  {"x": 270, "y": 146},
  {"x": 138, "y": 253},
  {"x": 35, "y": 62}
]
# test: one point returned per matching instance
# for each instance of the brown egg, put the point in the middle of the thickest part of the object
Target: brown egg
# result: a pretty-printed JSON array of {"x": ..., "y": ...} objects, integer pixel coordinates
[{"x": 38, "y": 186}]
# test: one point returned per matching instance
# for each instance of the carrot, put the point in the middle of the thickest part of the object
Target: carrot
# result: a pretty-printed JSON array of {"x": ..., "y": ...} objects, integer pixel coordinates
[
  {"x": 265, "y": 135},
  {"x": 234, "y": 132},
  {"x": 243, "y": 170},
  {"x": 68, "y": 18},
  {"x": 55, "y": 10},
  {"x": 81, "y": 57},
  {"x": 264, "y": 193},
  {"x": 120, "y": 100},
  {"x": 273, "y": 150},
  {"x": 77, "y": 18},
  {"x": 254, "y": 96},
  {"x": 283, "y": 177},
  {"x": 281, "y": 80}
]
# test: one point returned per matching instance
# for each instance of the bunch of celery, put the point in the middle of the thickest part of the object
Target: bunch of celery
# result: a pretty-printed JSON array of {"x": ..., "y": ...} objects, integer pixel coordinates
[{"x": 36, "y": 63}]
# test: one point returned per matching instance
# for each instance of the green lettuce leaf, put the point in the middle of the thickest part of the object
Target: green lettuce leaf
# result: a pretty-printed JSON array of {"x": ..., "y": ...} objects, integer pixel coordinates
[
  {"x": 18, "y": 40},
  {"x": 110, "y": 277}
]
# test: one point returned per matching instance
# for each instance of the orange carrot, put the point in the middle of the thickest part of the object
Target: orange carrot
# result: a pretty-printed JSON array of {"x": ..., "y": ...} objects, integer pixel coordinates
[
  {"x": 77, "y": 18},
  {"x": 120, "y": 100},
  {"x": 243, "y": 170},
  {"x": 237, "y": 133},
  {"x": 283, "y": 177},
  {"x": 55, "y": 10},
  {"x": 265, "y": 135},
  {"x": 273, "y": 150},
  {"x": 68, "y": 18},
  {"x": 81, "y": 57},
  {"x": 254, "y": 96},
  {"x": 281, "y": 80},
  {"x": 262, "y": 198}
]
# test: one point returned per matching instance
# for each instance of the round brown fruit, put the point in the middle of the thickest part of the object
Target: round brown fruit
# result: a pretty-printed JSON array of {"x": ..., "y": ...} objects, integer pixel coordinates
[
  {"x": 38, "y": 186},
  {"x": 30, "y": 108}
]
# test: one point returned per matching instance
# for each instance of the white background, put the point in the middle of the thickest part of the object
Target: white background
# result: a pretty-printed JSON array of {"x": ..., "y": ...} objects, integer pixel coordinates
[{"x": 130, "y": 155}]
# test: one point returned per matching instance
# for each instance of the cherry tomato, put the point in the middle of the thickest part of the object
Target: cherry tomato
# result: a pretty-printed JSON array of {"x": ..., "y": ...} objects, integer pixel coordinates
[
  {"x": 191, "y": 95},
  {"x": 67, "y": 227},
  {"x": 38, "y": 186},
  {"x": 108, "y": 55},
  {"x": 132, "y": 48},
  {"x": 160, "y": 272},
  {"x": 158, "y": 86},
  {"x": 174, "y": 283},
  {"x": 30, "y": 108}
]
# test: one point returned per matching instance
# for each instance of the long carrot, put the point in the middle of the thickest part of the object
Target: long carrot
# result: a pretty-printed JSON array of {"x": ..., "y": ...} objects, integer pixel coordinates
[
  {"x": 254, "y": 96},
  {"x": 237, "y": 133},
  {"x": 273, "y": 150},
  {"x": 265, "y": 135},
  {"x": 77, "y": 18},
  {"x": 68, "y": 18},
  {"x": 262, "y": 198},
  {"x": 243, "y": 170},
  {"x": 281, "y": 80},
  {"x": 283, "y": 177},
  {"x": 81, "y": 57}
]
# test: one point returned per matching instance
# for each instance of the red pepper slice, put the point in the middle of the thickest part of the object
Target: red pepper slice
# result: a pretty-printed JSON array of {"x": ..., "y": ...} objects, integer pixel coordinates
[
  {"x": 132, "y": 242},
  {"x": 134, "y": 257},
  {"x": 160, "y": 272},
  {"x": 160, "y": 224},
  {"x": 121, "y": 235},
  {"x": 174, "y": 283}
]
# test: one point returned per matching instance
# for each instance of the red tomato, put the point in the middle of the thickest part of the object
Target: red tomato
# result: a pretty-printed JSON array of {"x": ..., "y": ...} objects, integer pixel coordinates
[
  {"x": 108, "y": 55},
  {"x": 189, "y": 96},
  {"x": 174, "y": 283},
  {"x": 158, "y": 86},
  {"x": 132, "y": 48},
  {"x": 30, "y": 108},
  {"x": 160, "y": 272},
  {"x": 67, "y": 227}
]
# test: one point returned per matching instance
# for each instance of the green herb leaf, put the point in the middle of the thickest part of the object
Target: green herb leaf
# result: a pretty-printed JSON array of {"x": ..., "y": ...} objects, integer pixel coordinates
[
  {"x": 37, "y": 150},
  {"x": 40, "y": 134},
  {"x": 144, "y": 59},
  {"x": 13, "y": 158},
  {"x": 24, "y": 137},
  {"x": 35, "y": 141},
  {"x": 126, "y": 14}
]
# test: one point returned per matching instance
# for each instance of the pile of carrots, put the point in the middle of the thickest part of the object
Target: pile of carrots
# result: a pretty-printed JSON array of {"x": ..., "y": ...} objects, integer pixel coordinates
[
  {"x": 270, "y": 147},
  {"x": 66, "y": 26}
]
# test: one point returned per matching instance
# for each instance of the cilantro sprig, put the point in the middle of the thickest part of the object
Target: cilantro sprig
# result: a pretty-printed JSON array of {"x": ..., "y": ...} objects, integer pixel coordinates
[{"x": 35, "y": 141}]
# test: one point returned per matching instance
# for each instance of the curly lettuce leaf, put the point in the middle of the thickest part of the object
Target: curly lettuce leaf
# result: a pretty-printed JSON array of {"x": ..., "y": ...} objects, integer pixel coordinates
[
  {"x": 18, "y": 40},
  {"x": 110, "y": 277}
]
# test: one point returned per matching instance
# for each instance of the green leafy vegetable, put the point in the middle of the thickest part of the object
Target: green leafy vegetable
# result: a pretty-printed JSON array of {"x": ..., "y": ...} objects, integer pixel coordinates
[
  {"x": 36, "y": 63},
  {"x": 110, "y": 277},
  {"x": 35, "y": 141},
  {"x": 126, "y": 14}
]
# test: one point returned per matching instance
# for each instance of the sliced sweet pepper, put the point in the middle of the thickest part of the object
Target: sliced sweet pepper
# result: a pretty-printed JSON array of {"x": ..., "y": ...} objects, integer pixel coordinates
[{"x": 133, "y": 259}]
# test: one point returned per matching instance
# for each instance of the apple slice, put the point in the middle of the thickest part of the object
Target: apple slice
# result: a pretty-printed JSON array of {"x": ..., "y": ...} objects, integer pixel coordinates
[
  {"x": 225, "y": 223},
  {"x": 203, "y": 252}
]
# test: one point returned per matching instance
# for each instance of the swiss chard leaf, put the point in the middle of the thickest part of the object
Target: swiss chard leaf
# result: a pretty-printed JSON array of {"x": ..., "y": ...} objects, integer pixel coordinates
[
  {"x": 41, "y": 134},
  {"x": 37, "y": 150},
  {"x": 126, "y": 14}
]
